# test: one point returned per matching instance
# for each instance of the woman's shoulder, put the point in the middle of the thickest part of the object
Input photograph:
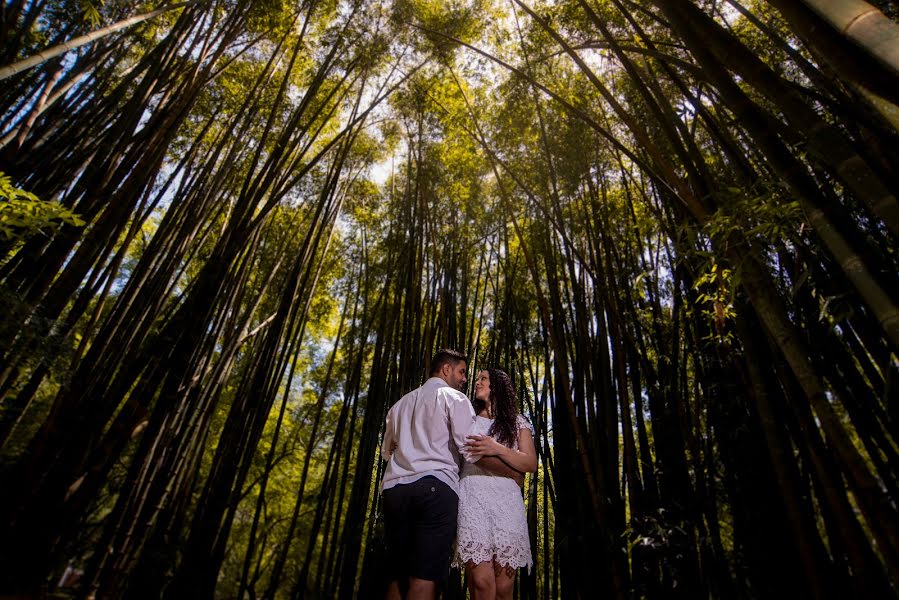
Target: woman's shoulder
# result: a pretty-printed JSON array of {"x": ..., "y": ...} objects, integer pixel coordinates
[
  {"x": 481, "y": 425},
  {"x": 524, "y": 423}
]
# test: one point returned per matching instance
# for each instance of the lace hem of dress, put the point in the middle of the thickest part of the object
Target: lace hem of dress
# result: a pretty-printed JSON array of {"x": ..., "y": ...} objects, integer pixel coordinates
[{"x": 505, "y": 556}]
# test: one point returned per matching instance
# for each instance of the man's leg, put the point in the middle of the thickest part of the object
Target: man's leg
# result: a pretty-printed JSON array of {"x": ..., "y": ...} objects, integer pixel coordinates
[
  {"x": 393, "y": 591},
  {"x": 397, "y": 537},
  {"x": 433, "y": 533},
  {"x": 421, "y": 589}
]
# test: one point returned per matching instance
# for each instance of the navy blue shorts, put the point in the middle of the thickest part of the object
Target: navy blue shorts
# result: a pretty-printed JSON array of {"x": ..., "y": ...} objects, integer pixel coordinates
[{"x": 419, "y": 528}]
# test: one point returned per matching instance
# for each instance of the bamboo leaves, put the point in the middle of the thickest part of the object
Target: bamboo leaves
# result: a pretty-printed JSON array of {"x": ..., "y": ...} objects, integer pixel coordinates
[{"x": 22, "y": 214}]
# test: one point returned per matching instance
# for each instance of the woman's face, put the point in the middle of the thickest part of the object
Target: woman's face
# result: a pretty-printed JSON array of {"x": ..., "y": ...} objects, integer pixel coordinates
[{"x": 482, "y": 386}]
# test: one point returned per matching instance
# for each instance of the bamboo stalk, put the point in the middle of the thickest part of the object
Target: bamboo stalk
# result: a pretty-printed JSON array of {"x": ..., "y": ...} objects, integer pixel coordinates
[
  {"x": 45, "y": 55},
  {"x": 865, "y": 25}
]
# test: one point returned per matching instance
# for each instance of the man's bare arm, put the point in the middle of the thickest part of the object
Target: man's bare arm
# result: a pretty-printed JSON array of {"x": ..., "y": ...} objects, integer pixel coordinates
[{"x": 496, "y": 465}]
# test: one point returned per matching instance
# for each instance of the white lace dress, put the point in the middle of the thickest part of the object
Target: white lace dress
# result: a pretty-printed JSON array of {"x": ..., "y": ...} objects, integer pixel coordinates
[{"x": 492, "y": 520}]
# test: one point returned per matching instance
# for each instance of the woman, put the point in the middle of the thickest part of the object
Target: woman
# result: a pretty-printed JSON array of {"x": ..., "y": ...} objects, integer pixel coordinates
[{"x": 493, "y": 537}]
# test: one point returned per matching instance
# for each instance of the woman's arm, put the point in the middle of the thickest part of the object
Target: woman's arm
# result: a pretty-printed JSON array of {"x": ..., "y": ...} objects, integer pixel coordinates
[
  {"x": 524, "y": 459},
  {"x": 496, "y": 466}
]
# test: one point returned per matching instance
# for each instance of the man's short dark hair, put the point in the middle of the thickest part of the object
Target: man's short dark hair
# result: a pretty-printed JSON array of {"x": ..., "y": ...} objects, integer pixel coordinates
[{"x": 446, "y": 356}]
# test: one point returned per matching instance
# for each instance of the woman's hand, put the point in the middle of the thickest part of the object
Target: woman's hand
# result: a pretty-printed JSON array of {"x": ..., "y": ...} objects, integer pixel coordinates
[{"x": 483, "y": 445}]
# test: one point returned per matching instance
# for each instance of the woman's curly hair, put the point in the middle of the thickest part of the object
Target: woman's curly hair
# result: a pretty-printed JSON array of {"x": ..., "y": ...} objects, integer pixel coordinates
[{"x": 505, "y": 408}]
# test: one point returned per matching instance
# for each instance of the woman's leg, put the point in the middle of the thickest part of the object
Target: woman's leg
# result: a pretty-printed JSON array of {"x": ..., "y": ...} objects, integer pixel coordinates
[
  {"x": 481, "y": 580},
  {"x": 505, "y": 581}
]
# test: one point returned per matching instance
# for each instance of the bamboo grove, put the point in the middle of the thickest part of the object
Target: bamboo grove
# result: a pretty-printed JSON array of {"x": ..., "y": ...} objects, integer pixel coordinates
[{"x": 234, "y": 231}]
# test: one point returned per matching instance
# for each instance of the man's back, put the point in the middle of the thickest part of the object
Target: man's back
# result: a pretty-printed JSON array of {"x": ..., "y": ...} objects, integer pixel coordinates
[{"x": 425, "y": 429}]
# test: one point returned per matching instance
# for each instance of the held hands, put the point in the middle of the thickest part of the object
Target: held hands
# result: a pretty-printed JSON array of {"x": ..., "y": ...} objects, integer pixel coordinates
[{"x": 479, "y": 446}]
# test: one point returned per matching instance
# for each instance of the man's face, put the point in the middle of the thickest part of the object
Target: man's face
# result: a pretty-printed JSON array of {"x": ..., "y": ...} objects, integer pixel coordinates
[{"x": 455, "y": 374}]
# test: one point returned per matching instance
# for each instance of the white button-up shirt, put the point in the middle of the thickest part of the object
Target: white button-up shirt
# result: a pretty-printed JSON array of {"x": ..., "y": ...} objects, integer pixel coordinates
[{"x": 428, "y": 426}]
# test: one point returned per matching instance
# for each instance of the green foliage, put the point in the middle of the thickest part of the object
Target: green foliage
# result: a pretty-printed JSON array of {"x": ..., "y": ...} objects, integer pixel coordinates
[
  {"x": 91, "y": 11},
  {"x": 22, "y": 214},
  {"x": 716, "y": 289},
  {"x": 763, "y": 214},
  {"x": 438, "y": 23}
]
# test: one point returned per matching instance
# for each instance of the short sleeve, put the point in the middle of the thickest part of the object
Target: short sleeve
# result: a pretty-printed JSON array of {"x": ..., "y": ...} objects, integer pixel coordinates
[{"x": 523, "y": 423}]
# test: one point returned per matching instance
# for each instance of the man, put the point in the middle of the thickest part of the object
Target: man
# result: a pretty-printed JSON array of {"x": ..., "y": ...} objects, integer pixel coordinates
[{"x": 425, "y": 430}]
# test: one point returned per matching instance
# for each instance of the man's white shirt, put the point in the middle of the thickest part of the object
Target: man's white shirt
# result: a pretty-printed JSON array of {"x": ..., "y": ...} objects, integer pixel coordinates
[{"x": 428, "y": 426}]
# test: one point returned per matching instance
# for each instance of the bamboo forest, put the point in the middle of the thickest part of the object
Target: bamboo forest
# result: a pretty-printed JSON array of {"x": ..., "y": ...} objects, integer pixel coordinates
[{"x": 234, "y": 233}]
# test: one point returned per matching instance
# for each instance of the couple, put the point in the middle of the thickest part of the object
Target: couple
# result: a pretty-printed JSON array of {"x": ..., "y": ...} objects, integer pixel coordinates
[{"x": 426, "y": 503}]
